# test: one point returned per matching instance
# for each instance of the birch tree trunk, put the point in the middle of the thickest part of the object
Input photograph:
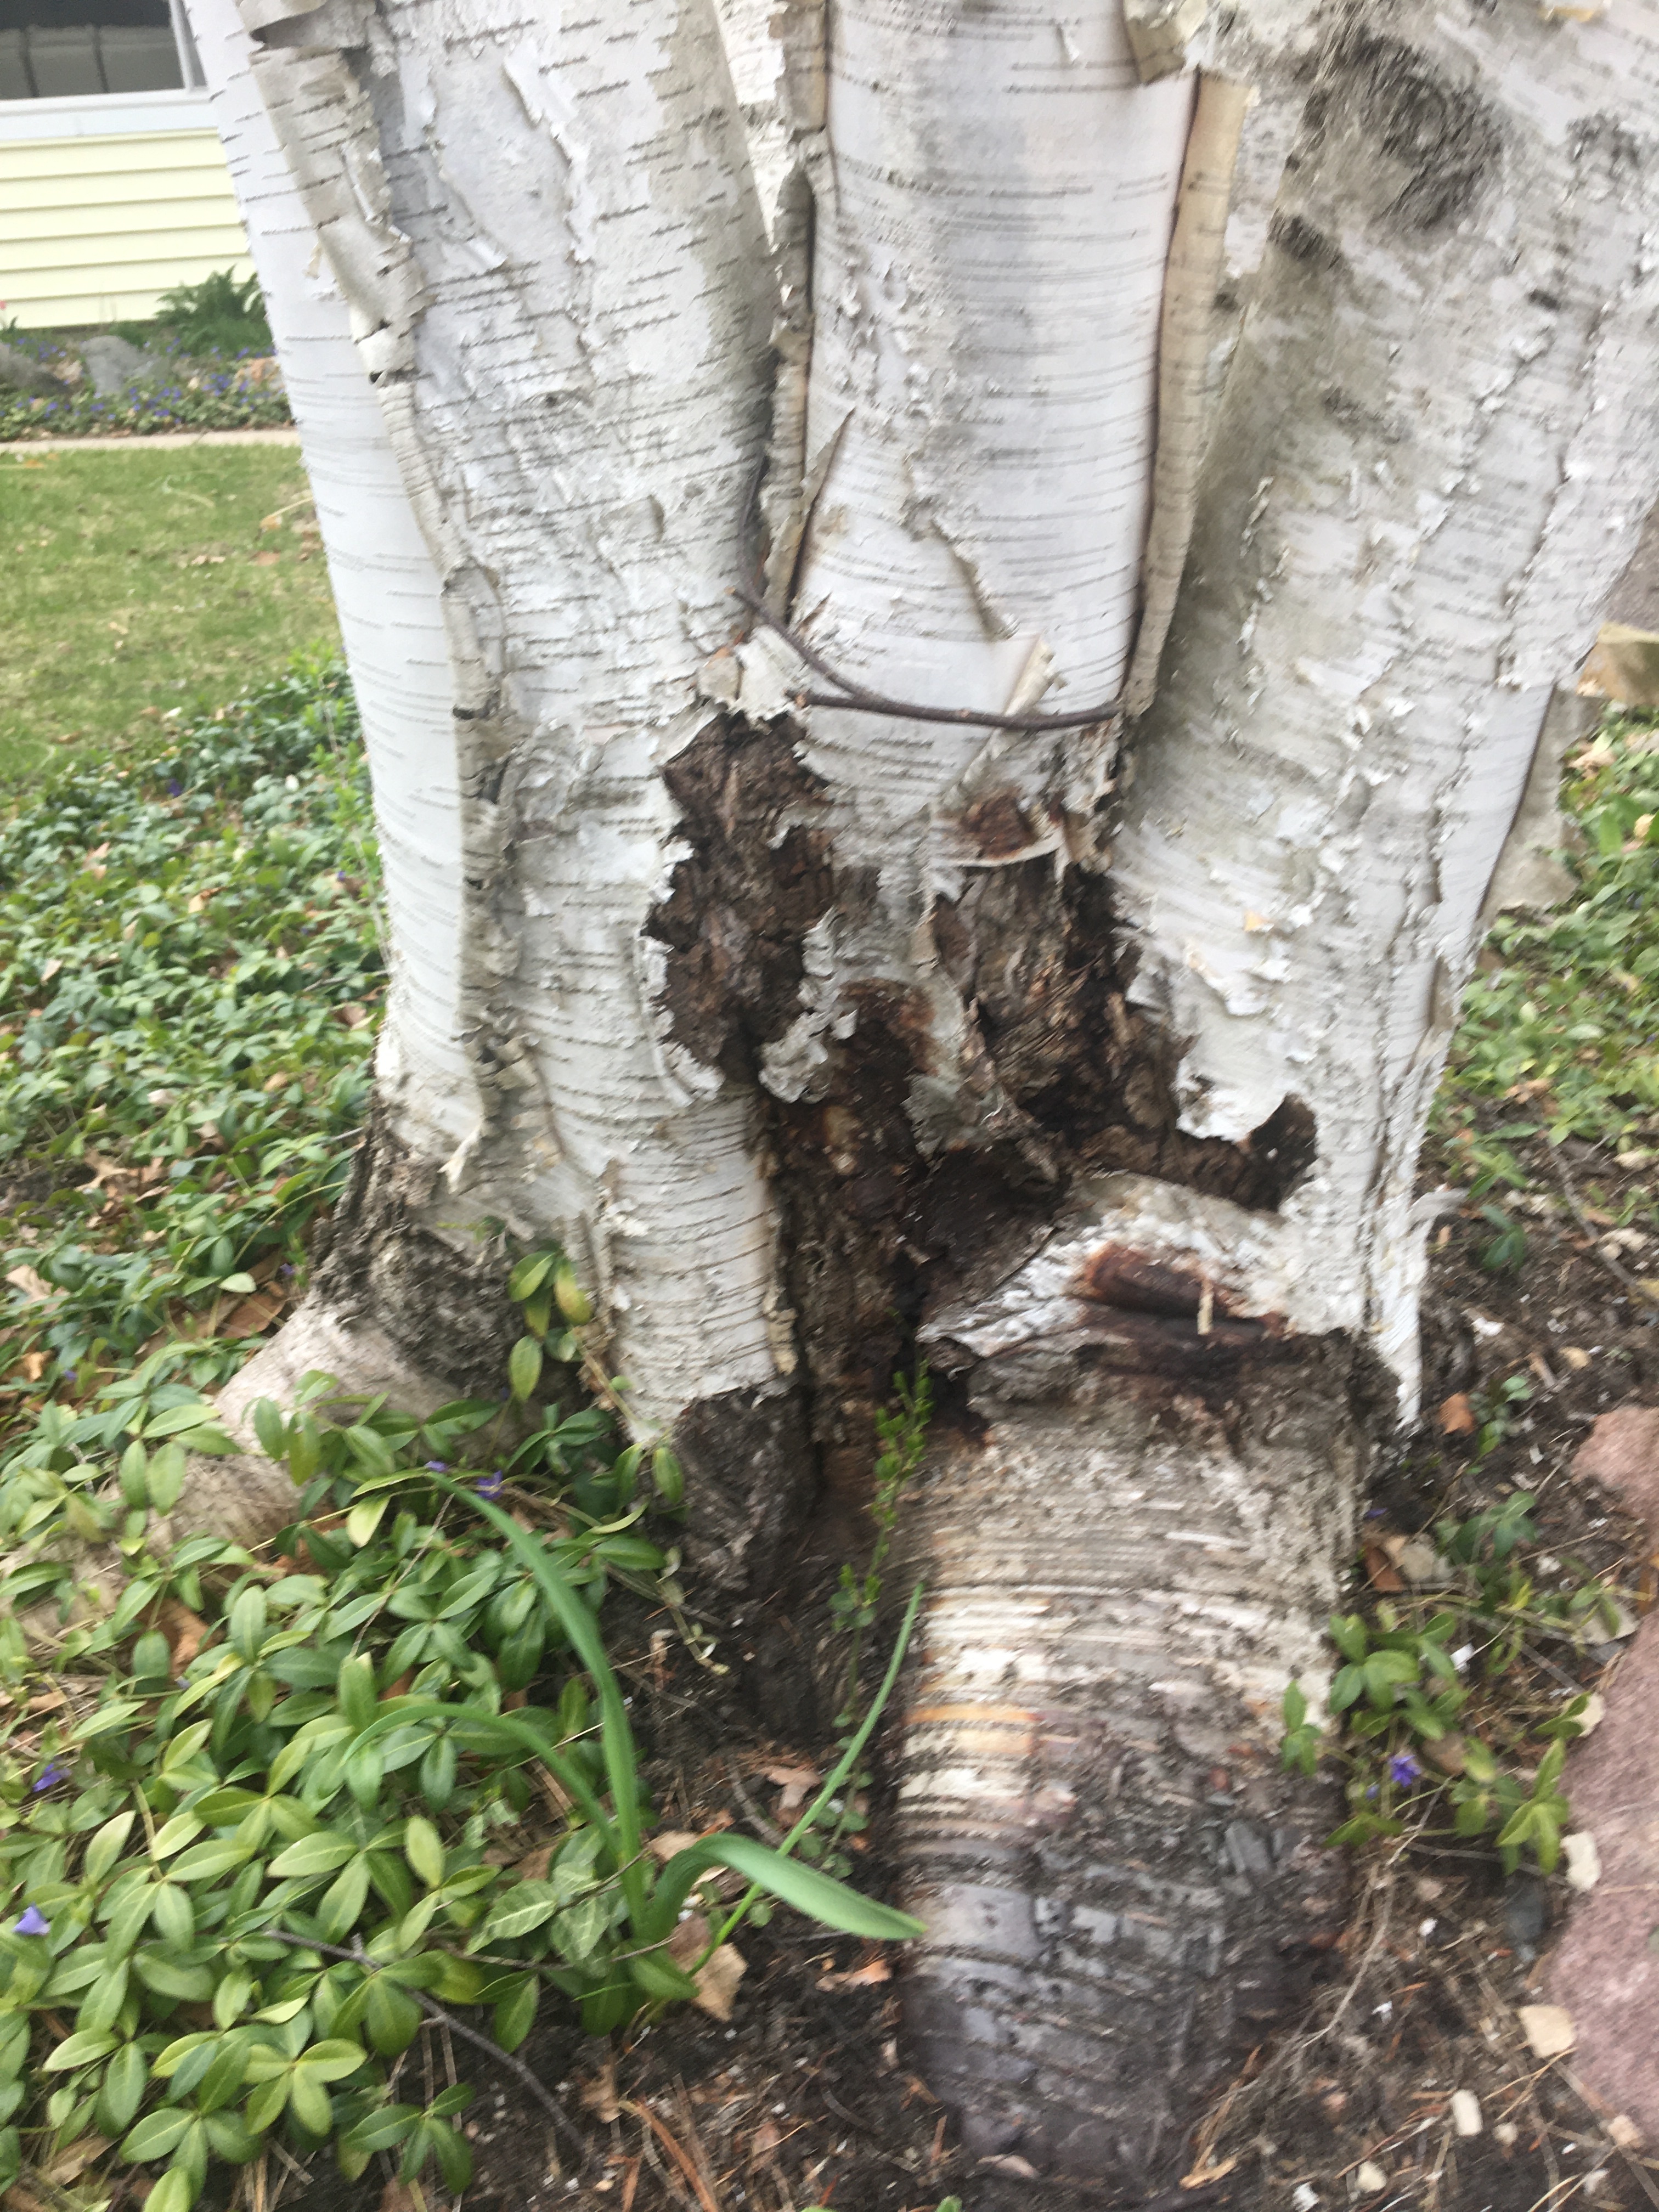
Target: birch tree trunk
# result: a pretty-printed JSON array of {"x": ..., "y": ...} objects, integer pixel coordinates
[{"x": 1091, "y": 1059}]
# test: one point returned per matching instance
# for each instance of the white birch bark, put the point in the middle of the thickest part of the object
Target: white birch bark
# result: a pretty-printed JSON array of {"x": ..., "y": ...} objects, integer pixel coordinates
[
  {"x": 385, "y": 591},
  {"x": 576, "y": 409},
  {"x": 790, "y": 1020},
  {"x": 1435, "y": 447}
]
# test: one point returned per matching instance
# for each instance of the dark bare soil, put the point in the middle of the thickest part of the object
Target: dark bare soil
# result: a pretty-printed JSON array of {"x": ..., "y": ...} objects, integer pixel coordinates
[{"x": 804, "y": 2098}]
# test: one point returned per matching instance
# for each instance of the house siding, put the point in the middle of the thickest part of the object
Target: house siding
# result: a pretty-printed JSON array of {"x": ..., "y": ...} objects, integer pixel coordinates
[{"x": 95, "y": 225}]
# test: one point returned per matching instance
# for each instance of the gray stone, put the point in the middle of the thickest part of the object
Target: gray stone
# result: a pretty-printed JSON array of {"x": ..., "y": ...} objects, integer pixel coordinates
[
  {"x": 1525, "y": 1913},
  {"x": 1249, "y": 1850},
  {"x": 115, "y": 366},
  {"x": 19, "y": 372}
]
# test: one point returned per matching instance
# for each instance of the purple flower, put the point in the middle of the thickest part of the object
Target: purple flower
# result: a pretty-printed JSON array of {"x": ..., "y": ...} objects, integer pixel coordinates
[
  {"x": 175, "y": 787},
  {"x": 1403, "y": 1770},
  {"x": 34, "y": 1922},
  {"x": 489, "y": 1486},
  {"x": 437, "y": 1466},
  {"x": 49, "y": 1775}
]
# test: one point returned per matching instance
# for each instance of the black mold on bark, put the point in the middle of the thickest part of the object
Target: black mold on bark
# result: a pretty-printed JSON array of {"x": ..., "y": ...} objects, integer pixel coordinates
[
  {"x": 446, "y": 1306},
  {"x": 749, "y": 1475}
]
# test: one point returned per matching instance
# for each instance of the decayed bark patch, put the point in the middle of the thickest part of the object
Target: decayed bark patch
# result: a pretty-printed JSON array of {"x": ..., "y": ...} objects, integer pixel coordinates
[
  {"x": 740, "y": 904},
  {"x": 1060, "y": 1072},
  {"x": 1084, "y": 1891},
  {"x": 749, "y": 1471},
  {"x": 1034, "y": 957}
]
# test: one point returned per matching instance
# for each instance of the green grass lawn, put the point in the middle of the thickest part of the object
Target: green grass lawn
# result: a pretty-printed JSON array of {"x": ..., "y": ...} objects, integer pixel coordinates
[{"x": 138, "y": 581}]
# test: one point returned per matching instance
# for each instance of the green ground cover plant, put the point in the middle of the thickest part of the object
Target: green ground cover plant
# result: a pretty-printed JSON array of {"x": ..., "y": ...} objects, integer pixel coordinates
[
  {"x": 1432, "y": 1743},
  {"x": 250, "y": 1858},
  {"x": 189, "y": 968},
  {"x": 206, "y": 395},
  {"x": 1560, "y": 1030},
  {"x": 209, "y": 330},
  {"x": 141, "y": 584}
]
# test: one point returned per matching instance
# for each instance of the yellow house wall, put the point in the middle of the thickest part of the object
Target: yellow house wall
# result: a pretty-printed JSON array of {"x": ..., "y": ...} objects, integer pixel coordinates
[{"x": 94, "y": 229}]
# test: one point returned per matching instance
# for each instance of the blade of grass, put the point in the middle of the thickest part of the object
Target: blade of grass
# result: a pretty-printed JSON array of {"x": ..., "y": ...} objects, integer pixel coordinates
[{"x": 616, "y": 1736}]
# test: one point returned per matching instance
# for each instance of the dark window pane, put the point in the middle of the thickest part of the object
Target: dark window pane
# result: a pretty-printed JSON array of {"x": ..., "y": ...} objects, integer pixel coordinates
[
  {"x": 74, "y": 15},
  {"x": 140, "y": 61},
  {"x": 64, "y": 64}
]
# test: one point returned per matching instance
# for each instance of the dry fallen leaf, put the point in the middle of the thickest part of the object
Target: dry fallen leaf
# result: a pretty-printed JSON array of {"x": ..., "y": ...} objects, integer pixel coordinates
[
  {"x": 717, "y": 1980},
  {"x": 34, "y": 1286},
  {"x": 183, "y": 1629},
  {"x": 858, "y": 1977},
  {"x": 1457, "y": 1415},
  {"x": 1548, "y": 2029},
  {"x": 599, "y": 2096},
  {"x": 1446, "y": 1753},
  {"x": 794, "y": 1783},
  {"x": 689, "y": 1941},
  {"x": 398, "y": 2197},
  {"x": 1380, "y": 1573},
  {"x": 266, "y": 560},
  {"x": 74, "y": 2158},
  {"x": 1575, "y": 1357},
  {"x": 671, "y": 1843},
  {"x": 252, "y": 1315}
]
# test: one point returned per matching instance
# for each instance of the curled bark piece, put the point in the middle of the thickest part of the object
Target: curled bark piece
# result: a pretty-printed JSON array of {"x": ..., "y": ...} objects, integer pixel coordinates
[
  {"x": 1189, "y": 287},
  {"x": 1160, "y": 33},
  {"x": 1527, "y": 872}
]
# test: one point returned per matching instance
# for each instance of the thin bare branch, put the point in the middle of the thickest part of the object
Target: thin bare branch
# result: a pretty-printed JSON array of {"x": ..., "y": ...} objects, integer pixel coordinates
[{"x": 857, "y": 699}]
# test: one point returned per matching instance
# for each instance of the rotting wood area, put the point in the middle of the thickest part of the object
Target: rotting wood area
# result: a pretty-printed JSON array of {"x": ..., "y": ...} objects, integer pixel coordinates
[{"x": 1066, "y": 1075}]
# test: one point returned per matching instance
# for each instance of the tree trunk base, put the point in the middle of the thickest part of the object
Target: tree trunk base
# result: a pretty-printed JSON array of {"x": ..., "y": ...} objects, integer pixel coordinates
[{"x": 1120, "y": 1885}]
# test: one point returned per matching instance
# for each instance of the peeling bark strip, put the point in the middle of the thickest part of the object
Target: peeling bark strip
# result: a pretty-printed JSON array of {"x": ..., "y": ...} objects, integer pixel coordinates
[
  {"x": 1190, "y": 280},
  {"x": 818, "y": 1036}
]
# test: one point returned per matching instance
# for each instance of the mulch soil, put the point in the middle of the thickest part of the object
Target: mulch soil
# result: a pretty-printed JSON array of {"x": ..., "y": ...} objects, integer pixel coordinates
[{"x": 805, "y": 2097}]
